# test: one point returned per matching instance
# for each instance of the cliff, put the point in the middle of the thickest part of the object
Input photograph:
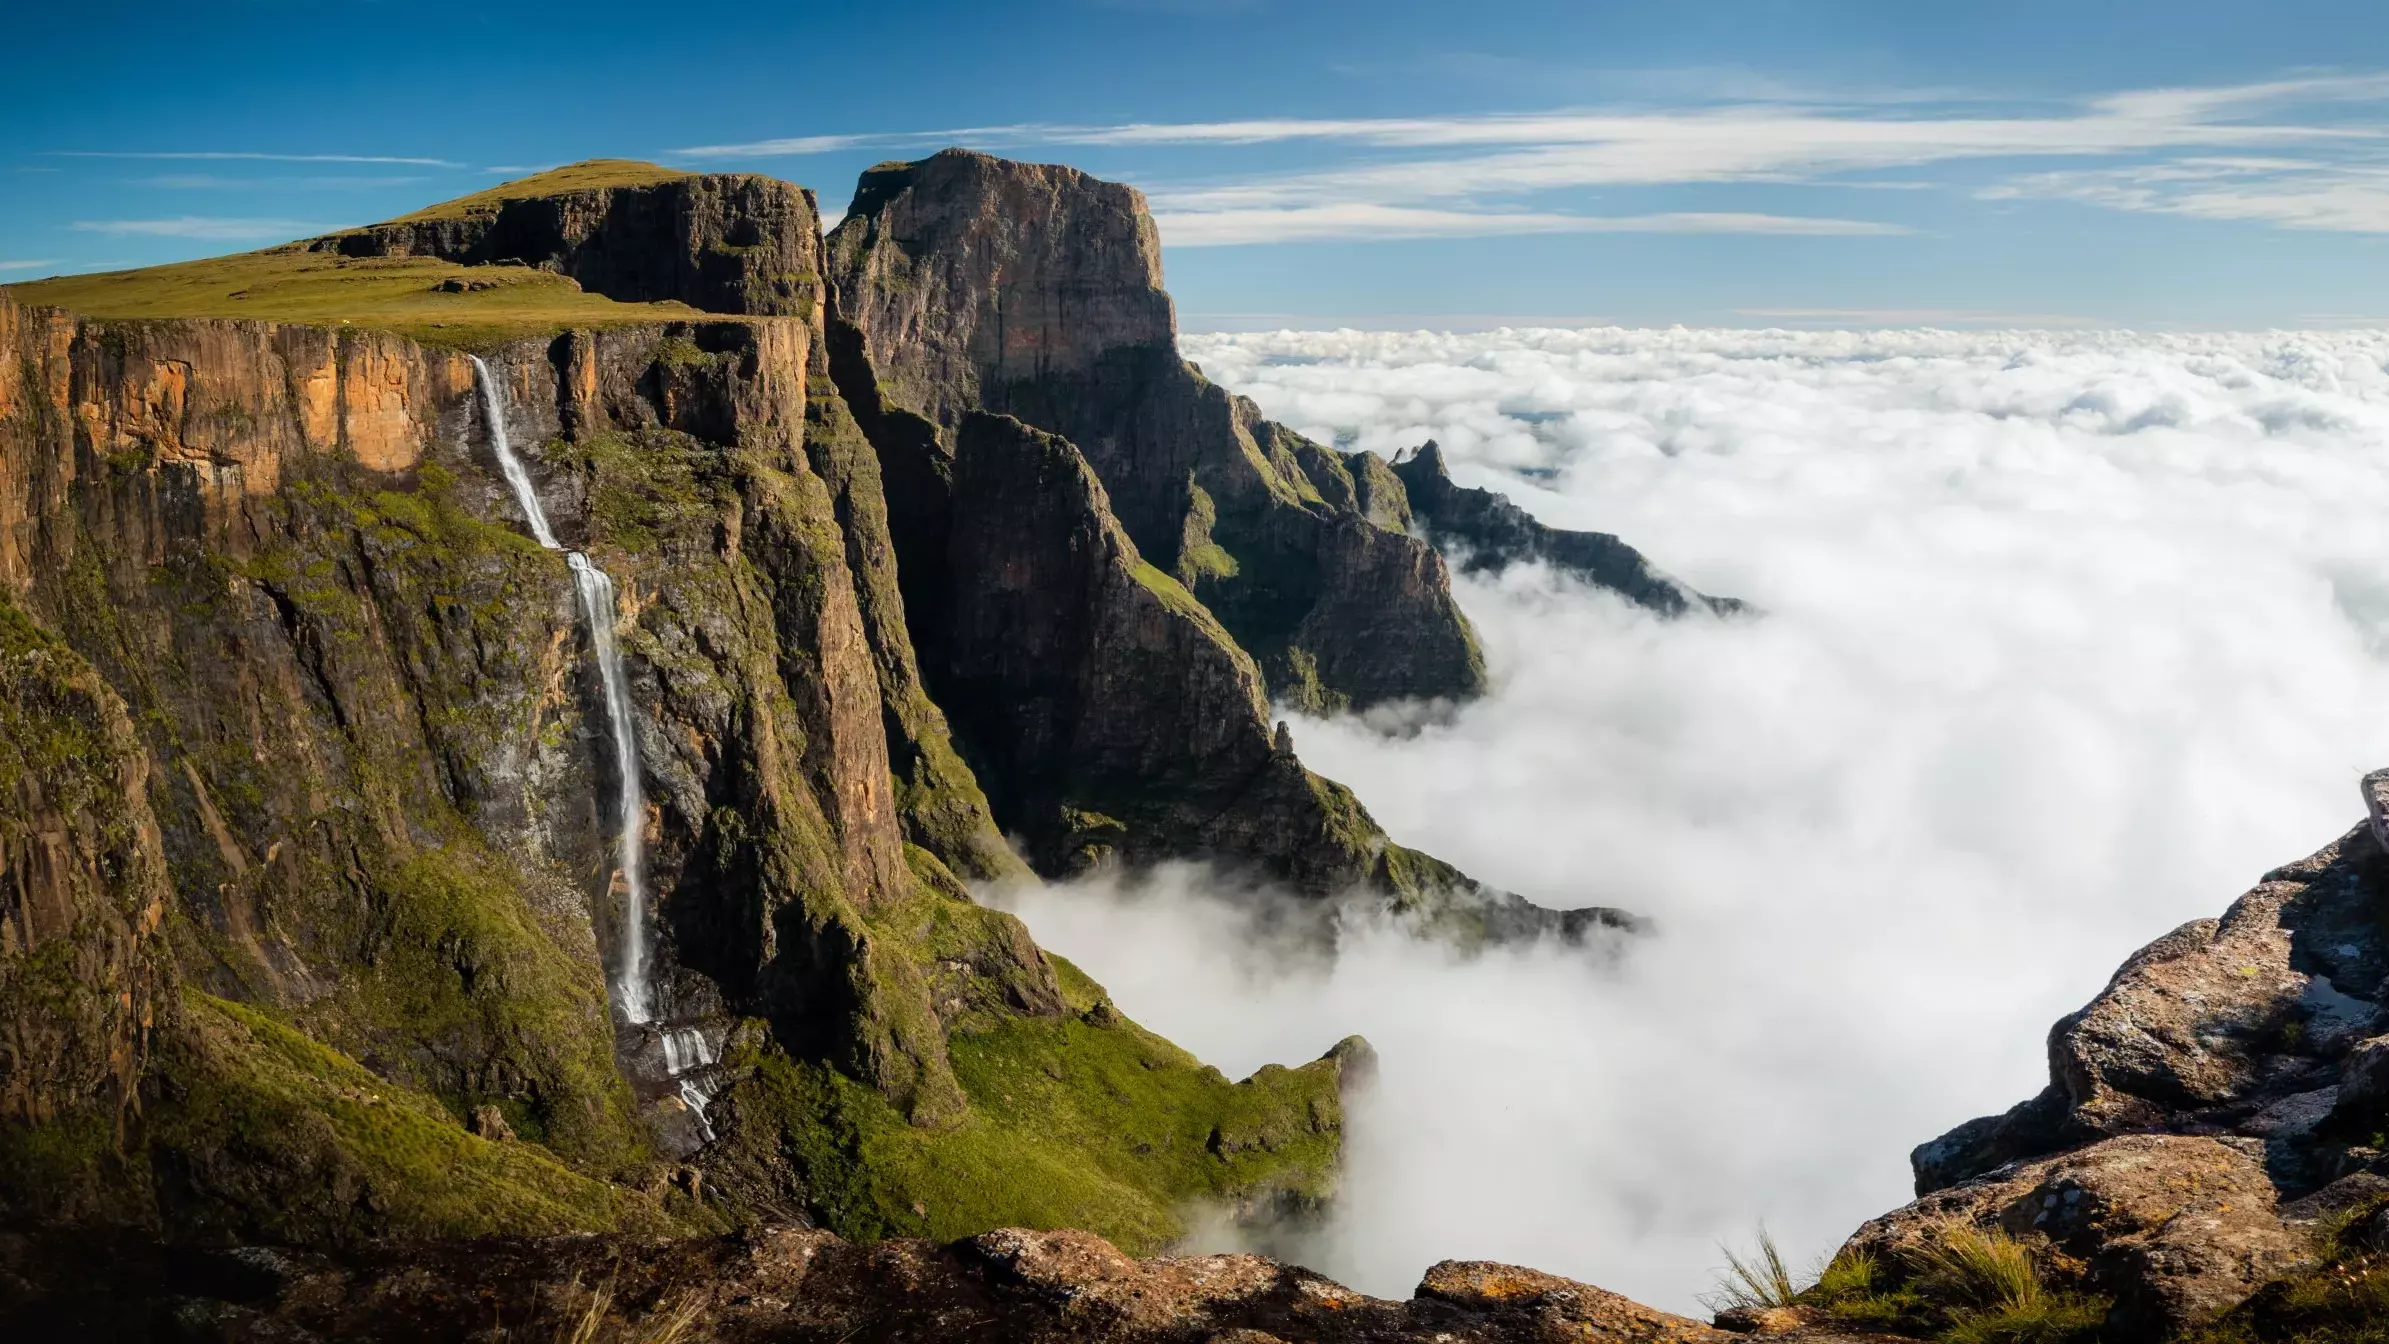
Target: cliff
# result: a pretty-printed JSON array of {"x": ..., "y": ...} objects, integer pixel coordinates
[
  {"x": 317, "y": 917},
  {"x": 1112, "y": 566},
  {"x": 965, "y": 282},
  {"x": 720, "y": 243},
  {"x": 1118, "y": 718}
]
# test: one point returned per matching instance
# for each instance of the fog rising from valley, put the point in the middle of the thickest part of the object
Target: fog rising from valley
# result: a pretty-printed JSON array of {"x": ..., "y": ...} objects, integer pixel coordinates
[{"x": 2068, "y": 639}]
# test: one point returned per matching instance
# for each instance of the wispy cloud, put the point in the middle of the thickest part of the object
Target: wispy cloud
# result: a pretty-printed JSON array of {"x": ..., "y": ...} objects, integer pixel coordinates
[
  {"x": 796, "y": 146},
  {"x": 25, "y": 265},
  {"x": 210, "y": 228},
  {"x": 2284, "y": 151},
  {"x": 215, "y": 154},
  {"x": 2291, "y": 193},
  {"x": 213, "y": 181},
  {"x": 1360, "y": 219},
  {"x": 1758, "y": 134}
]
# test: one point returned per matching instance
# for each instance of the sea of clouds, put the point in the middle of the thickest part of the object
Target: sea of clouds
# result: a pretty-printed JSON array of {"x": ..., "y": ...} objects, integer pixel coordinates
[{"x": 2068, "y": 638}]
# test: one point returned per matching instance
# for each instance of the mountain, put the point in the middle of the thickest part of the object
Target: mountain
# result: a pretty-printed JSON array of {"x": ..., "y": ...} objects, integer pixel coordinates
[
  {"x": 503, "y": 715},
  {"x": 504, "y": 709}
]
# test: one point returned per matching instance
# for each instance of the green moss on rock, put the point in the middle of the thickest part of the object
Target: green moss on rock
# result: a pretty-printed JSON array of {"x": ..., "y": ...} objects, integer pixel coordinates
[
  {"x": 1079, "y": 1120},
  {"x": 262, "y": 1133},
  {"x": 460, "y": 987}
]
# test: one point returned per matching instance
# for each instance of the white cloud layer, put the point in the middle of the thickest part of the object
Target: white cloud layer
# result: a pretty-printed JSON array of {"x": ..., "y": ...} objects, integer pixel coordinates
[{"x": 2069, "y": 637}]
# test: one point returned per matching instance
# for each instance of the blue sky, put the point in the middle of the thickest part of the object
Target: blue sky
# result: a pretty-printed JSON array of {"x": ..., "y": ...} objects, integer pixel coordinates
[{"x": 1734, "y": 162}]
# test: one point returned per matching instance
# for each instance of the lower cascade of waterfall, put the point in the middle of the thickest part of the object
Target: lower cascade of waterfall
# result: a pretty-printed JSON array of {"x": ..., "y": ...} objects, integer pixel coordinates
[{"x": 685, "y": 1052}]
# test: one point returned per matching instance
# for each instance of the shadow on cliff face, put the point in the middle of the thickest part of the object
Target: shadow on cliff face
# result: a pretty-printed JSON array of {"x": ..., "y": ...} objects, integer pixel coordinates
[{"x": 2066, "y": 642}]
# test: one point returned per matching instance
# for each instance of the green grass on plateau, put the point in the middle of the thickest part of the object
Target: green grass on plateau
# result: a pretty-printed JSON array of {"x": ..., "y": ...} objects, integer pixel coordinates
[{"x": 290, "y": 284}]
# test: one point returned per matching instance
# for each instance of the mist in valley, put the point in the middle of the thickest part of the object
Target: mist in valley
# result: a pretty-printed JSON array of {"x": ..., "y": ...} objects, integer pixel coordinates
[{"x": 2067, "y": 639}]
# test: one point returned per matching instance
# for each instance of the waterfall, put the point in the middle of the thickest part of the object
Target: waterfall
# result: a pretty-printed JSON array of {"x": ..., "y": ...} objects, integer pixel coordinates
[
  {"x": 494, "y": 410},
  {"x": 596, "y": 590}
]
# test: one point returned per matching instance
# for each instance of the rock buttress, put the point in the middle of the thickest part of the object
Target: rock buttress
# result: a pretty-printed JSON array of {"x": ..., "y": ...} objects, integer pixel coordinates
[
  {"x": 1114, "y": 718},
  {"x": 1492, "y": 534},
  {"x": 973, "y": 283}
]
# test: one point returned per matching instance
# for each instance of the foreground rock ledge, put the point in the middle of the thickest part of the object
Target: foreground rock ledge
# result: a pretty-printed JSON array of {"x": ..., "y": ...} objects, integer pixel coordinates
[{"x": 785, "y": 1285}]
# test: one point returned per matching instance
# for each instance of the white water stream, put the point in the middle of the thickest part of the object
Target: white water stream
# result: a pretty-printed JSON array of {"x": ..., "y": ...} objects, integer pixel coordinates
[{"x": 632, "y": 991}]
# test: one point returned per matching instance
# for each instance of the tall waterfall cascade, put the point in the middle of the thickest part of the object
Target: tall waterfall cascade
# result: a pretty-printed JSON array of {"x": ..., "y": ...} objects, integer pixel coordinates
[{"x": 683, "y": 1049}]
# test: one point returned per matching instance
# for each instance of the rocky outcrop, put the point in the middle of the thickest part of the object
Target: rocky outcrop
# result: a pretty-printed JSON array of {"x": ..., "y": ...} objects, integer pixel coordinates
[
  {"x": 2242, "y": 1026},
  {"x": 964, "y": 282},
  {"x": 1113, "y": 717},
  {"x": 1009, "y": 1286},
  {"x": 2176, "y": 1230},
  {"x": 2210, "y": 1116},
  {"x": 720, "y": 243},
  {"x": 1489, "y": 533}
]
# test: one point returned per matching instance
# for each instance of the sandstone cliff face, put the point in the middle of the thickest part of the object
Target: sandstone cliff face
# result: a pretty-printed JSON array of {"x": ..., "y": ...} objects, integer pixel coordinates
[
  {"x": 208, "y": 411},
  {"x": 966, "y": 282},
  {"x": 721, "y": 243},
  {"x": 1491, "y": 533}
]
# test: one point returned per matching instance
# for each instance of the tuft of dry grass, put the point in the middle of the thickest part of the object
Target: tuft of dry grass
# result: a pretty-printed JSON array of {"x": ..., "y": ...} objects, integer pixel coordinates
[
  {"x": 1980, "y": 1269},
  {"x": 582, "y": 1328},
  {"x": 1759, "y": 1279}
]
